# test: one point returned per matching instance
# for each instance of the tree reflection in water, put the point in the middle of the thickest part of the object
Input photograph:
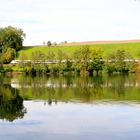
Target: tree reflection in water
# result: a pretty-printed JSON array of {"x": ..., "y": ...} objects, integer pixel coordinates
[
  {"x": 83, "y": 89},
  {"x": 11, "y": 104},
  {"x": 53, "y": 89}
]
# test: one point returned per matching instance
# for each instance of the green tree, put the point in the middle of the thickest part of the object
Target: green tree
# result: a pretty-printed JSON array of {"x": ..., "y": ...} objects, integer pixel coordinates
[
  {"x": 119, "y": 61},
  {"x": 96, "y": 62},
  {"x": 82, "y": 57},
  {"x": 38, "y": 62},
  {"x": 8, "y": 55},
  {"x": 11, "y": 37}
]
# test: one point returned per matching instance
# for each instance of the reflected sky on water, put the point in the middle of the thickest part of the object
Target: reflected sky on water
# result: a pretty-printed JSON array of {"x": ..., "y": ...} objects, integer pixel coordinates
[
  {"x": 75, "y": 121},
  {"x": 85, "y": 108}
]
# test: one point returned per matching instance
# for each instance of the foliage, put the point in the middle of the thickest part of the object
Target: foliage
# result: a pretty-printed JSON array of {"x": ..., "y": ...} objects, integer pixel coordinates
[
  {"x": 11, "y": 37},
  {"x": 8, "y": 55},
  {"x": 119, "y": 61},
  {"x": 38, "y": 62},
  {"x": 88, "y": 60},
  {"x": 11, "y": 40},
  {"x": 136, "y": 67},
  {"x": 96, "y": 61},
  {"x": 84, "y": 61},
  {"x": 81, "y": 58}
]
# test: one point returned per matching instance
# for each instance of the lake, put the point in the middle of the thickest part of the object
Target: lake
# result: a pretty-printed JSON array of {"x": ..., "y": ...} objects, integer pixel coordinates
[{"x": 70, "y": 107}]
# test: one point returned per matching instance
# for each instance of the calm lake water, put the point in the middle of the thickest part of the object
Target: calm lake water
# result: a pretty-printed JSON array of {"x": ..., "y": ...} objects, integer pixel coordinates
[{"x": 70, "y": 108}]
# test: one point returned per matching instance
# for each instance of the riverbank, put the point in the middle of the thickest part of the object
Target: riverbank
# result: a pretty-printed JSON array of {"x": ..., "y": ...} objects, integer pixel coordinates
[{"x": 82, "y": 60}]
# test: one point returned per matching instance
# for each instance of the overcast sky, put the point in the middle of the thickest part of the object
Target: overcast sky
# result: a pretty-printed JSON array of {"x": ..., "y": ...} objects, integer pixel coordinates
[{"x": 72, "y": 20}]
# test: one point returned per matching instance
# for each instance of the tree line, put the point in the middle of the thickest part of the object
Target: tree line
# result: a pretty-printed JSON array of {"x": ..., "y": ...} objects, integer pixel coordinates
[{"x": 84, "y": 61}]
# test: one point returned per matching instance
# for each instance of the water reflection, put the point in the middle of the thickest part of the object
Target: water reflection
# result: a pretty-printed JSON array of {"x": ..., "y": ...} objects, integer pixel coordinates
[
  {"x": 83, "y": 89},
  {"x": 70, "y": 108},
  {"x": 64, "y": 89},
  {"x": 75, "y": 121},
  {"x": 11, "y": 103}
]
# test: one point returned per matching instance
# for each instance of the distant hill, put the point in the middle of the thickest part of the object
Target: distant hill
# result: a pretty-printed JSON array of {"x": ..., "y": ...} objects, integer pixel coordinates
[{"x": 101, "y": 42}]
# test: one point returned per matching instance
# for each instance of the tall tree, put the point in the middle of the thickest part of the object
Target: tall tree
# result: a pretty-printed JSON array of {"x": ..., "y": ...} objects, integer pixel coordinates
[{"x": 11, "y": 37}]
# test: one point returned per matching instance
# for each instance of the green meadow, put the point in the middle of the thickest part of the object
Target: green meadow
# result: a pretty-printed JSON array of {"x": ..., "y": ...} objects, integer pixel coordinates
[{"x": 132, "y": 48}]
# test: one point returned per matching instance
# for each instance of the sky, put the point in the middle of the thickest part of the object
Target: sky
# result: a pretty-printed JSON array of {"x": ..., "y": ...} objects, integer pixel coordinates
[{"x": 72, "y": 20}]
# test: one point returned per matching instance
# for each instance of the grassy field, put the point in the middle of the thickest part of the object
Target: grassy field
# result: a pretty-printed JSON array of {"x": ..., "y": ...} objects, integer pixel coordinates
[{"x": 132, "y": 47}]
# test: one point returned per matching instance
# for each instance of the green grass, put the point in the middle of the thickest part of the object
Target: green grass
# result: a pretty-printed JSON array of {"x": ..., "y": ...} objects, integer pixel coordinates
[{"x": 132, "y": 48}]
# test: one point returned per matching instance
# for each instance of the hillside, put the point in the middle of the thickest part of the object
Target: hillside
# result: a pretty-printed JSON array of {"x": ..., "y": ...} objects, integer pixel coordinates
[
  {"x": 131, "y": 46},
  {"x": 102, "y": 42}
]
